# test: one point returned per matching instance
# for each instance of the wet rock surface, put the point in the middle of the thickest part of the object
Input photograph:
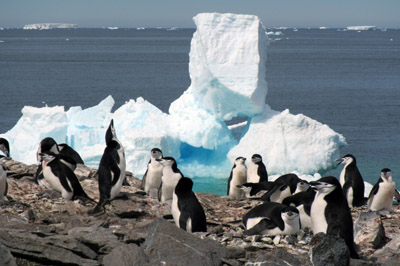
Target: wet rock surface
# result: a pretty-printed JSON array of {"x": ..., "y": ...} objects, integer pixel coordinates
[{"x": 38, "y": 227}]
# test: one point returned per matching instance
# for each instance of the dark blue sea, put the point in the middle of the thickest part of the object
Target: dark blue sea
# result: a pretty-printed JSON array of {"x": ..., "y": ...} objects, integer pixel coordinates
[{"x": 348, "y": 80}]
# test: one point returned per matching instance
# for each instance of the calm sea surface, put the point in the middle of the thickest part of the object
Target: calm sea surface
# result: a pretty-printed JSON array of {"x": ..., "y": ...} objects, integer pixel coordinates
[{"x": 346, "y": 79}]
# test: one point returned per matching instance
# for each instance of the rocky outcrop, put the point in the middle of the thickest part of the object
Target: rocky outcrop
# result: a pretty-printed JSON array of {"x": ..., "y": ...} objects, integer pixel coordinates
[{"x": 38, "y": 227}]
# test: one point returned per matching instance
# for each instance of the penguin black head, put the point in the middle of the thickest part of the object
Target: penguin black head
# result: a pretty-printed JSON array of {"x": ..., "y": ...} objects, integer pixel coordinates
[
  {"x": 110, "y": 134},
  {"x": 347, "y": 159},
  {"x": 167, "y": 161},
  {"x": 290, "y": 213},
  {"x": 47, "y": 156},
  {"x": 156, "y": 153},
  {"x": 4, "y": 147},
  {"x": 326, "y": 185},
  {"x": 47, "y": 144},
  {"x": 303, "y": 185},
  {"x": 184, "y": 185},
  {"x": 256, "y": 158},
  {"x": 386, "y": 173},
  {"x": 240, "y": 160}
]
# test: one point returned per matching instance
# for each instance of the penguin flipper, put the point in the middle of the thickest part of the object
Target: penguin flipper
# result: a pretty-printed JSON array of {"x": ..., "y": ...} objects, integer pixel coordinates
[
  {"x": 397, "y": 195},
  {"x": 229, "y": 182},
  {"x": 267, "y": 195},
  {"x": 261, "y": 226},
  {"x": 143, "y": 184},
  {"x": 160, "y": 192}
]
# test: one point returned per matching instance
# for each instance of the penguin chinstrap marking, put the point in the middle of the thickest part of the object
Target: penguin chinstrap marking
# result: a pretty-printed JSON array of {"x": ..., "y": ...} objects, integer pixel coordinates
[
  {"x": 170, "y": 178},
  {"x": 237, "y": 177},
  {"x": 330, "y": 213},
  {"x": 283, "y": 187},
  {"x": 3, "y": 183},
  {"x": 66, "y": 154},
  {"x": 111, "y": 173},
  {"x": 352, "y": 181},
  {"x": 186, "y": 209},
  {"x": 256, "y": 171},
  {"x": 152, "y": 178},
  {"x": 382, "y": 193},
  {"x": 272, "y": 218},
  {"x": 61, "y": 178},
  {"x": 4, "y": 148}
]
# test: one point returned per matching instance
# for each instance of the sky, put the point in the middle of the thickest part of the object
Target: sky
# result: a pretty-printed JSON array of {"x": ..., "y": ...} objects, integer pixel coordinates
[{"x": 179, "y": 13}]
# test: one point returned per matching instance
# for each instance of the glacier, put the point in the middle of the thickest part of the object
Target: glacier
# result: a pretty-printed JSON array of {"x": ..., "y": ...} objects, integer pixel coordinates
[{"x": 227, "y": 68}]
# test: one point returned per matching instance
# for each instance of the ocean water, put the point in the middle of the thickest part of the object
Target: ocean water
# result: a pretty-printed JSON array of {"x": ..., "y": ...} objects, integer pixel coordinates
[{"x": 348, "y": 80}]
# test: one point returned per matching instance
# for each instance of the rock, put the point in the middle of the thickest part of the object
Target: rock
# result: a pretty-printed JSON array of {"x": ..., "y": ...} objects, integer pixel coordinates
[
  {"x": 369, "y": 232},
  {"x": 166, "y": 243},
  {"x": 276, "y": 257},
  {"x": 329, "y": 250},
  {"x": 126, "y": 255},
  {"x": 6, "y": 259}
]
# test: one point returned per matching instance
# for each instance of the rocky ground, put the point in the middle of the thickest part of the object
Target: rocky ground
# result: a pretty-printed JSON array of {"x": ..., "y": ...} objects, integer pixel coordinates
[{"x": 38, "y": 227}]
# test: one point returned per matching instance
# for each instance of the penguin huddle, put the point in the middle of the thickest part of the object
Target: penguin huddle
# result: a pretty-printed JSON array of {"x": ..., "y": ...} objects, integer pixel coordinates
[
  {"x": 290, "y": 203},
  {"x": 164, "y": 179}
]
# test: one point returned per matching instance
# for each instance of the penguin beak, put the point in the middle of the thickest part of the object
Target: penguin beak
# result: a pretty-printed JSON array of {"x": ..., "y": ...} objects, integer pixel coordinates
[
  {"x": 315, "y": 185},
  {"x": 340, "y": 161}
]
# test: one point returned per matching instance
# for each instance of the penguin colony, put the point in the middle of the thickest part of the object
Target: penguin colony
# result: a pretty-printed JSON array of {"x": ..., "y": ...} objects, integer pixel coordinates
[{"x": 289, "y": 203}]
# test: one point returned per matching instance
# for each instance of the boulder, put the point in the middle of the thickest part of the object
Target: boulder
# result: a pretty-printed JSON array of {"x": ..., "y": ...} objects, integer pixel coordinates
[
  {"x": 126, "y": 255},
  {"x": 6, "y": 259},
  {"x": 329, "y": 250},
  {"x": 166, "y": 243}
]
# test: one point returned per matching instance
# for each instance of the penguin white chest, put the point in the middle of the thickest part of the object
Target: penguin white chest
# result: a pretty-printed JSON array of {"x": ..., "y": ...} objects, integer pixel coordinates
[
  {"x": 153, "y": 178},
  {"x": 175, "y": 210},
  {"x": 383, "y": 200},
  {"x": 54, "y": 182},
  {"x": 239, "y": 177},
  {"x": 121, "y": 165},
  {"x": 318, "y": 219},
  {"x": 252, "y": 173},
  {"x": 280, "y": 195},
  {"x": 169, "y": 182}
]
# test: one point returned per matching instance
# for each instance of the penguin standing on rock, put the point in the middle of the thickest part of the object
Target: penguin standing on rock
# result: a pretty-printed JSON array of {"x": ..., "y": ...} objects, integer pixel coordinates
[
  {"x": 111, "y": 169},
  {"x": 152, "y": 178},
  {"x": 302, "y": 201},
  {"x": 352, "y": 181},
  {"x": 186, "y": 209},
  {"x": 169, "y": 180},
  {"x": 256, "y": 171},
  {"x": 237, "y": 177},
  {"x": 61, "y": 178},
  {"x": 382, "y": 193},
  {"x": 330, "y": 213},
  {"x": 3, "y": 183},
  {"x": 271, "y": 219}
]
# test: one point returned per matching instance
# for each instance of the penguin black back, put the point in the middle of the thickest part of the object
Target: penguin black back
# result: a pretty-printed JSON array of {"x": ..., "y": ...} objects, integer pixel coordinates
[
  {"x": 354, "y": 181},
  {"x": 189, "y": 206}
]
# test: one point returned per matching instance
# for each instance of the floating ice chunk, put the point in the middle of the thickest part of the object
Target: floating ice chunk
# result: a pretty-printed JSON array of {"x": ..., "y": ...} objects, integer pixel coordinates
[
  {"x": 289, "y": 143},
  {"x": 227, "y": 64},
  {"x": 34, "y": 125},
  {"x": 361, "y": 28},
  {"x": 196, "y": 126},
  {"x": 49, "y": 26},
  {"x": 85, "y": 127}
]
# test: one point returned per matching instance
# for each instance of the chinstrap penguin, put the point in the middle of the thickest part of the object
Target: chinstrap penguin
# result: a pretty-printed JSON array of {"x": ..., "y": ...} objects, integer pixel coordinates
[
  {"x": 256, "y": 171},
  {"x": 61, "y": 178},
  {"x": 170, "y": 178},
  {"x": 382, "y": 193},
  {"x": 352, "y": 181},
  {"x": 186, "y": 209},
  {"x": 152, "y": 178},
  {"x": 330, "y": 213},
  {"x": 283, "y": 187},
  {"x": 4, "y": 148},
  {"x": 65, "y": 153},
  {"x": 302, "y": 201},
  {"x": 111, "y": 169},
  {"x": 237, "y": 177},
  {"x": 272, "y": 218},
  {"x": 252, "y": 190}
]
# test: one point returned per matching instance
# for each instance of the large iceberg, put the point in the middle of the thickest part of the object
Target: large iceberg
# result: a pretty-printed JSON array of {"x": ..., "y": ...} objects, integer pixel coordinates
[{"x": 227, "y": 69}]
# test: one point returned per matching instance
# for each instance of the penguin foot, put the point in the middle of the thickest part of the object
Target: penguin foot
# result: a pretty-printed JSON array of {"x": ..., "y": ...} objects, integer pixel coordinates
[{"x": 100, "y": 208}]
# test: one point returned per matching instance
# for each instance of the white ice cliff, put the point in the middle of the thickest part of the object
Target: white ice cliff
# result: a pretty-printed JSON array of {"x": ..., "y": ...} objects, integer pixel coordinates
[{"x": 227, "y": 69}]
